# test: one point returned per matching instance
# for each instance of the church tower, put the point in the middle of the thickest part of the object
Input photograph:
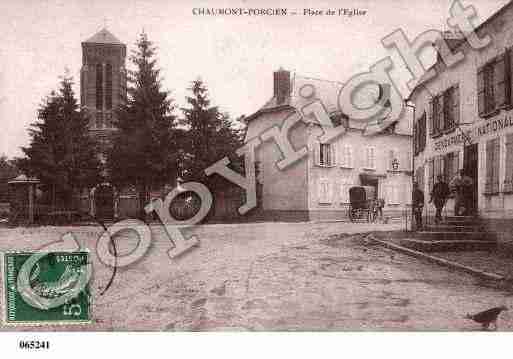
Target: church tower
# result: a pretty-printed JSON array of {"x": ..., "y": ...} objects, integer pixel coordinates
[{"x": 102, "y": 82}]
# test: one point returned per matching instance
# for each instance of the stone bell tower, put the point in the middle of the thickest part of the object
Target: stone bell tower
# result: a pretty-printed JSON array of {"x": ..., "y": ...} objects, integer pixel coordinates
[{"x": 102, "y": 82}]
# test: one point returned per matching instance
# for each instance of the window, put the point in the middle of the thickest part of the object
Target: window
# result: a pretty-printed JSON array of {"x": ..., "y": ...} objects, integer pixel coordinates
[
  {"x": 444, "y": 111},
  {"x": 108, "y": 86},
  {"x": 370, "y": 157},
  {"x": 99, "y": 86},
  {"x": 493, "y": 85},
  {"x": 420, "y": 134},
  {"x": 492, "y": 166},
  {"x": 449, "y": 110},
  {"x": 324, "y": 191},
  {"x": 347, "y": 156},
  {"x": 325, "y": 155},
  {"x": 437, "y": 114}
]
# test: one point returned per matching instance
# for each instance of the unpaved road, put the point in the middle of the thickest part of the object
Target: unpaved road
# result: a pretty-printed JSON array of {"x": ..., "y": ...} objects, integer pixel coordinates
[{"x": 275, "y": 276}]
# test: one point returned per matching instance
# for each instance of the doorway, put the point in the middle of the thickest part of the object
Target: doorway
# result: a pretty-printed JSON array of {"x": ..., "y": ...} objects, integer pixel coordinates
[{"x": 470, "y": 166}]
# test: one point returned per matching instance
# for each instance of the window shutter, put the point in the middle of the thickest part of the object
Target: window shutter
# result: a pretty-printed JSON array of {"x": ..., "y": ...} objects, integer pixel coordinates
[
  {"x": 415, "y": 137},
  {"x": 456, "y": 104},
  {"x": 507, "y": 77},
  {"x": 347, "y": 156},
  {"x": 508, "y": 180},
  {"x": 430, "y": 174},
  {"x": 480, "y": 92},
  {"x": 496, "y": 163},
  {"x": 489, "y": 166},
  {"x": 430, "y": 117},
  {"x": 509, "y": 73},
  {"x": 424, "y": 132},
  {"x": 455, "y": 163},
  {"x": 421, "y": 128},
  {"x": 333, "y": 148},
  {"x": 499, "y": 78},
  {"x": 441, "y": 114},
  {"x": 317, "y": 153}
]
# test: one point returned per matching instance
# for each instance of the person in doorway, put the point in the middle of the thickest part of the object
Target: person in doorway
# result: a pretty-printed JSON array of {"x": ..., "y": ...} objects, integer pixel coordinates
[
  {"x": 417, "y": 205},
  {"x": 439, "y": 196},
  {"x": 461, "y": 185},
  {"x": 468, "y": 194}
]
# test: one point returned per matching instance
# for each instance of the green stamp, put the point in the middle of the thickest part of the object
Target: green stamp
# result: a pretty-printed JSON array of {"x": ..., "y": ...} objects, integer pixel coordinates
[{"x": 47, "y": 287}]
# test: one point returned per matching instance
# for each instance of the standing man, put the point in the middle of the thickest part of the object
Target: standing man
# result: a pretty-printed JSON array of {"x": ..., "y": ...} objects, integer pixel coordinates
[
  {"x": 439, "y": 196},
  {"x": 417, "y": 205}
]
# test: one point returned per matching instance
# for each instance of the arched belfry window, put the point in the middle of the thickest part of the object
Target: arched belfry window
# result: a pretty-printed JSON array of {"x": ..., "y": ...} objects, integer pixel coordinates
[
  {"x": 99, "y": 86},
  {"x": 108, "y": 86}
]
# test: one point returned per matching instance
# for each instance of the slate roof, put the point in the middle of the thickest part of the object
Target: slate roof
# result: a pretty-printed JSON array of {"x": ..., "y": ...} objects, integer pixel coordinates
[
  {"x": 326, "y": 91},
  {"x": 103, "y": 36}
]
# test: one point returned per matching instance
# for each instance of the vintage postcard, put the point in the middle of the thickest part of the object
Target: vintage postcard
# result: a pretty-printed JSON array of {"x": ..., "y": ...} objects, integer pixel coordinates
[{"x": 243, "y": 166}]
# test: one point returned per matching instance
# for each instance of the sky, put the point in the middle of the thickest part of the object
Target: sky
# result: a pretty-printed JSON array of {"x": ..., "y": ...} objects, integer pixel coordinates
[{"x": 234, "y": 55}]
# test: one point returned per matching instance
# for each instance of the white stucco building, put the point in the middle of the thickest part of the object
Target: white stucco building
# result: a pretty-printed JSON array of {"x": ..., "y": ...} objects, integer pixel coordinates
[{"x": 317, "y": 186}]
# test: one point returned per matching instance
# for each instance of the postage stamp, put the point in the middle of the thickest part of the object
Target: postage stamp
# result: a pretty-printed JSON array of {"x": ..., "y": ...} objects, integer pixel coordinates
[{"x": 46, "y": 288}]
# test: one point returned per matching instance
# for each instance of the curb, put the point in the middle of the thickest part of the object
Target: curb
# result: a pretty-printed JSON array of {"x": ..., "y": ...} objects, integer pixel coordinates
[{"x": 438, "y": 260}]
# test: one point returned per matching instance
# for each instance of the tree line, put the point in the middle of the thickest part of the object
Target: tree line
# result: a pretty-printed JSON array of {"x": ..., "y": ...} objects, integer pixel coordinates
[{"x": 151, "y": 147}]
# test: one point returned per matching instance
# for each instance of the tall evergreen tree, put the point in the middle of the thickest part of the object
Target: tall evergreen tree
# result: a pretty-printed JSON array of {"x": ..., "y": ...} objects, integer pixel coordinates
[
  {"x": 211, "y": 135},
  {"x": 144, "y": 151},
  {"x": 61, "y": 152}
]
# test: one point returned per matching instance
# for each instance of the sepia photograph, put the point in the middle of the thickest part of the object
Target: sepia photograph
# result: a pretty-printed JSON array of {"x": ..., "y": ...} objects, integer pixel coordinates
[{"x": 241, "y": 166}]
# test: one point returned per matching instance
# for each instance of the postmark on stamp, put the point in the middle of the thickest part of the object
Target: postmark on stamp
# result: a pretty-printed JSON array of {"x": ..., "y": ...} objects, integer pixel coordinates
[{"x": 46, "y": 288}]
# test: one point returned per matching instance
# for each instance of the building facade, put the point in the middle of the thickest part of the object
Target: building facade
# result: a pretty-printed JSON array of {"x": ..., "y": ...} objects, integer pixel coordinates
[
  {"x": 317, "y": 186},
  {"x": 464, "y": 121}
]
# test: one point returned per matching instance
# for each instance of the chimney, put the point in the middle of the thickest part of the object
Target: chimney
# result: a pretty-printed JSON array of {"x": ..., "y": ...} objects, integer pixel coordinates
[
  {"x": 281, "y": 85},
  {"x": 447, "y": 42}
]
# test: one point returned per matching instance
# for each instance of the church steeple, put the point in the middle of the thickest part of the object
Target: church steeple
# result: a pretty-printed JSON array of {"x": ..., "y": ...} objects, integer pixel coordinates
[
  {"x": 103, "y": 36},
  {"x": 102, "y": 81}
]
